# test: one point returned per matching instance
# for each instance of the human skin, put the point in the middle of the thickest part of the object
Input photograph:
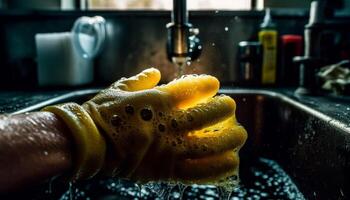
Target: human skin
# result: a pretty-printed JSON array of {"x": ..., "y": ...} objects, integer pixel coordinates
[{"x": 34, "y": 147}]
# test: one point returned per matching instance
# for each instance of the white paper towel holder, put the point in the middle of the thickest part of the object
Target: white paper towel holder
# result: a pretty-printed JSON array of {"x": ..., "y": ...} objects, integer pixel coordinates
[{"x": 66, "y": 59}]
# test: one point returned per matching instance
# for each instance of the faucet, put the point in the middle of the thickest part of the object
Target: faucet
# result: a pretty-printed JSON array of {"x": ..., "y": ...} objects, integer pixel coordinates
[
  {"x": 183, "y": 45},
  {"x": 319, "y": 25}
]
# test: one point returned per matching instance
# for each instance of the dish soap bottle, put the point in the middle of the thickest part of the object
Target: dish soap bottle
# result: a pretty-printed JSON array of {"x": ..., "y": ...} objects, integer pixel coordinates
[{"x": 268, "y": 39}]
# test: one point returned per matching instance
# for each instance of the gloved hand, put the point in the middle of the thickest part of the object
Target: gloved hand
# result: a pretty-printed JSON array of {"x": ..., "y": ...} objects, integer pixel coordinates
[{"x": 173, "y": 132}]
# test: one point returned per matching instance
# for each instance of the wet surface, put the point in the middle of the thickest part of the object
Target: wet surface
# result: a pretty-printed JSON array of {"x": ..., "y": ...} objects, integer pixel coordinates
[
  {"x": 265, "y": 179},
  {"x": 337, "y": 107},
  {"x": 261, "y": 179},
  {"x": 13, "y": 101}
]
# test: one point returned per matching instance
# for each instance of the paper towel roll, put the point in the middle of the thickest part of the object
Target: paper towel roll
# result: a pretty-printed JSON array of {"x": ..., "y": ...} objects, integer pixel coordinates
[{"x": 59, "y": 64}]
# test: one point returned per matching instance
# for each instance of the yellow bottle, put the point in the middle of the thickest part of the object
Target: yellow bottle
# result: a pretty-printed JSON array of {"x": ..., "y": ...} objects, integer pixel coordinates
[{"x": 268, "y": 38}]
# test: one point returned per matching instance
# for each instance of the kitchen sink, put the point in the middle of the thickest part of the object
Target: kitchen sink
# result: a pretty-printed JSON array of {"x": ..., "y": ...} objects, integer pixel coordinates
[{"x": 310, "y": 149}]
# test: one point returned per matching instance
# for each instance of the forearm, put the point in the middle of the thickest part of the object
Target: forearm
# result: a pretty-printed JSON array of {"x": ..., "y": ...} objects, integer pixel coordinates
[{"x": 33, "y": 147}]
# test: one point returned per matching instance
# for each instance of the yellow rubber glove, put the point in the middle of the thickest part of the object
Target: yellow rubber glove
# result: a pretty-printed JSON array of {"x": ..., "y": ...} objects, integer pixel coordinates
[{"x": 174, "y": 132}]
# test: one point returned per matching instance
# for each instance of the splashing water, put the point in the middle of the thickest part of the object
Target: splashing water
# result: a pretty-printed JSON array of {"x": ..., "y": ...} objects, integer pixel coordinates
[
  {"x": 180, "y": 63},
  {"x": 182, "y": 189},
  {"x": 71, "y": 191},
  {"x": 224, "y": 193},
  {"x": 156, "y": 187},
  {"x": 167, "y": 192},
  {"x": 49, "y": 188},
  {"x": 265, "y": 180},
  {"x": 181, "y": 69},
  {"x": 139, "y": 187}
]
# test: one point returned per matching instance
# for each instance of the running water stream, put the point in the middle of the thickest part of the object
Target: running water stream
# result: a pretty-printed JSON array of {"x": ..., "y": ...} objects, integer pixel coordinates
[{"x": 180, "y": 64}]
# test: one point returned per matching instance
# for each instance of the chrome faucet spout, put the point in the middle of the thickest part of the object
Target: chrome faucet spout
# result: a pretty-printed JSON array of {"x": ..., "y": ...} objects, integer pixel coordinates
[
  {"x": 179, "y": 14},
  {"x": 182, "y": 43},
  {"x": 321, "y": 21}
]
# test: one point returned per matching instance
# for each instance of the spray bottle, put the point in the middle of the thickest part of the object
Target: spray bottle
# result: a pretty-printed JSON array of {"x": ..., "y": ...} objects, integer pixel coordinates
[{"x": 268, "y": 38}]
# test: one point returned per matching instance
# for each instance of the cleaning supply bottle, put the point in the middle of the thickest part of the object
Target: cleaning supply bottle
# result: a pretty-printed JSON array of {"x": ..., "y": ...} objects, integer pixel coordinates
[{"x": 268, "y": 38}]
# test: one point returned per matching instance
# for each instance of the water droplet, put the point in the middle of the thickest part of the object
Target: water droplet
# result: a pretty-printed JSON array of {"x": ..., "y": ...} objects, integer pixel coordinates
[
  {"x": 31, "y": 138},
  {"x": 226, "y": 28}
]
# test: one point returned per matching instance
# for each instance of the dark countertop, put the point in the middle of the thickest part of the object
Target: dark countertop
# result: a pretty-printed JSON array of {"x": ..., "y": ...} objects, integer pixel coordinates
[
  {"x": 337, "y": 108},
  {"x": 11, "y": 101}
]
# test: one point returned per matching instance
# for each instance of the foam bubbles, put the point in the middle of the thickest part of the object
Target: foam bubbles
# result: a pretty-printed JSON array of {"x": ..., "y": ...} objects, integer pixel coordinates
[
  {"x": 265, "y": 180},
  {"x": 116, "y": 120},
  {"x": 129, "y": 109},
  {"x": 146, "y": 114}
]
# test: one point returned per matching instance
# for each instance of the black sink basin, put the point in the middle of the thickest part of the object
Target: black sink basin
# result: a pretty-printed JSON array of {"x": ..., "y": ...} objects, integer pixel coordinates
[{"x": 311, "y": 147}]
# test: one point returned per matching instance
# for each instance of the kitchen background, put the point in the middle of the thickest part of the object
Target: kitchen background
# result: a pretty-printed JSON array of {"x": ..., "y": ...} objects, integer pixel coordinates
[
  {"x": 136, "y": 35},
  {"x": 307, "y": 135}
]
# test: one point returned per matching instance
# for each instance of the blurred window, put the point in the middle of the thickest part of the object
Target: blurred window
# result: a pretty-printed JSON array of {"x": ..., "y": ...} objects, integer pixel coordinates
[{"x": 167, "y": 4}]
